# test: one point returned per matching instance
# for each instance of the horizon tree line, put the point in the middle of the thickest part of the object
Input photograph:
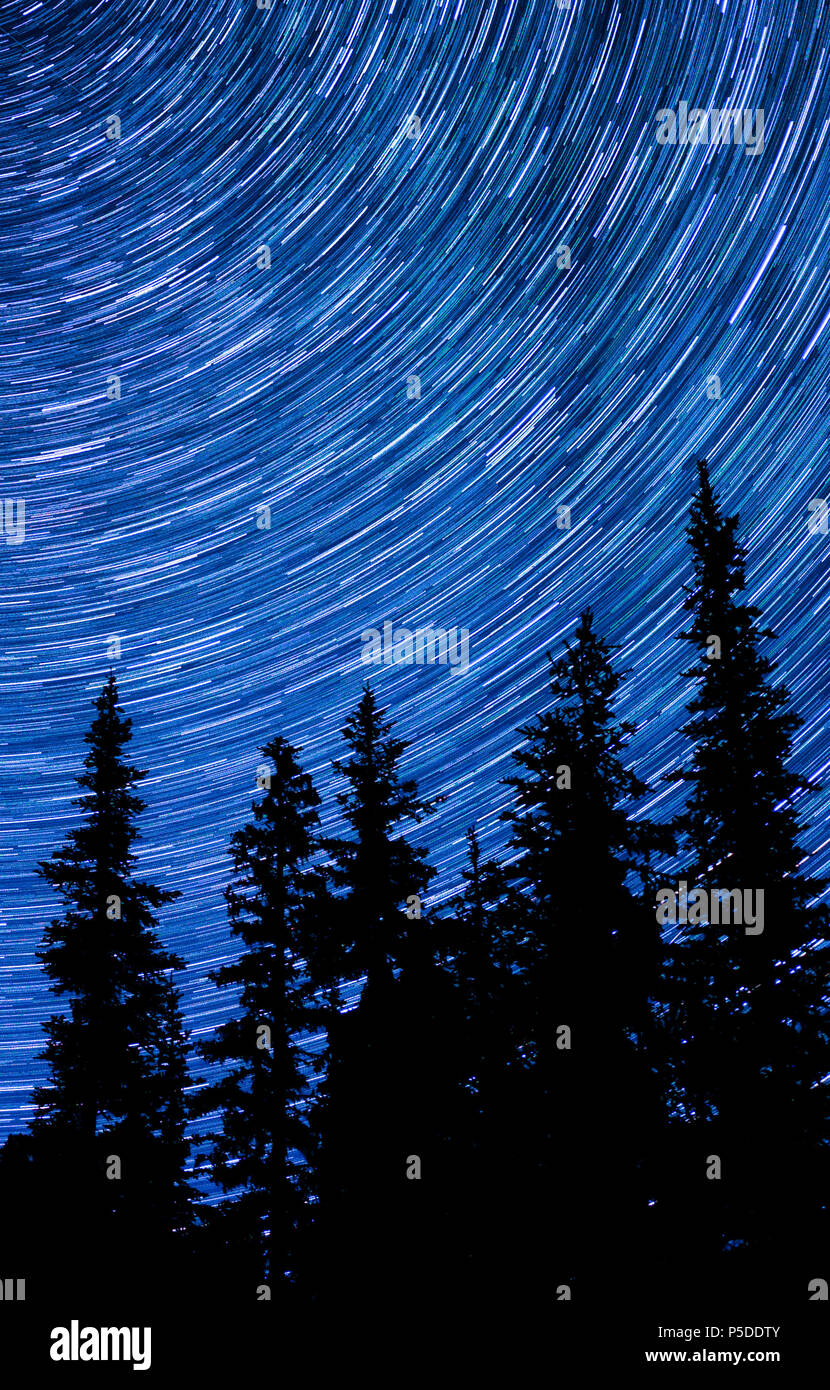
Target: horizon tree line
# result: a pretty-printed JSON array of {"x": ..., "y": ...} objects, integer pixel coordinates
[{"x": 537, "y": 1096}]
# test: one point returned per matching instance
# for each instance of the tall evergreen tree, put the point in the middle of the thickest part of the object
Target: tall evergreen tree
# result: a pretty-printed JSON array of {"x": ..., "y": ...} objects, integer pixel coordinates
[
  {"x": 481, "y": 952},
  {"x": 748, "y": 1000},
  {"x": 116, "y": 1054},
  {"x": 383, "y": 1102},
  {"x": 487, "y": 1050},
  {"x": 376, "y": 868},
  {"x": 170, "y": 1079},
  {"x": 274, "y": 903},
  {"x": 590, "y": 961}
]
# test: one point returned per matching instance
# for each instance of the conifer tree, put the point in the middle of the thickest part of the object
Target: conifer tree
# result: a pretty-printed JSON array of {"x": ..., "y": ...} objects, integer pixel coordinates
[
  {"x": 485, "y": 1047},
  {"x": 274, "y": 903},
  {"x": 382, "y": 1103},
  {"x": 590, "y": 961},
  {"x": 170, "y": 1079},
  {"x": 117, "y": 1054},
  {"x": 483, "y": 947},
  {"x": 377, "y": 869},
  {"x": 748, "y": 999},
  {"x": 478, "y": 947}
]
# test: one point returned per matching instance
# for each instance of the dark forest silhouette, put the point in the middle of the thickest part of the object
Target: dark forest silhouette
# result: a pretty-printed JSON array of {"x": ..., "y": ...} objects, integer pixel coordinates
[{"x": 541, "y": 1095}]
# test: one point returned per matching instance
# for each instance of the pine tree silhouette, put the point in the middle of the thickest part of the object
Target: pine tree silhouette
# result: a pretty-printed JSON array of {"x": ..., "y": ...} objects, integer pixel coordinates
[
  {"x": 377, "y": 868},
  {"x": 482, "y": 951},
  {"x": 748, "y": 1008},
  {"x": 590, "y": 962},
  {"x": 382, "y": 1108},
  {"x": 170, "y": 1078},
  {"x": 274, "y": 905},
  {"x": 485, "y": 1048},
  {"x": 117, "y": 1054}
]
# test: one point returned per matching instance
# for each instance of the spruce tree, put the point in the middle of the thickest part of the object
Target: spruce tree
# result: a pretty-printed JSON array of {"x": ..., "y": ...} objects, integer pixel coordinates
[
  {"x": 376, "y": 869},
  {"x": 589, "y": 956},
  {"x": 477, "y": 947},
  {"x": 116, "y": 1054},
  {"x": 382, "y": 1103},
  {"x": 483, "y": 948},
  {"x": 274, "y": 904},
  {"x": 748, "y": 1006},
  {"x": 170, "y": 1080},
  {"x": 485, "y": 1048}
]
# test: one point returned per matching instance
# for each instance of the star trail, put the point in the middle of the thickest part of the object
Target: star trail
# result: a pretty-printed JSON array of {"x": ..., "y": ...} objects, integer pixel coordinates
[{"x": 218, "y": 303}]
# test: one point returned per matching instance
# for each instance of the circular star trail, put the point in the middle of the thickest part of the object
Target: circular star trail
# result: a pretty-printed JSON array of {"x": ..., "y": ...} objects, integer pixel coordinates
[{"x": 216, "y": 304}]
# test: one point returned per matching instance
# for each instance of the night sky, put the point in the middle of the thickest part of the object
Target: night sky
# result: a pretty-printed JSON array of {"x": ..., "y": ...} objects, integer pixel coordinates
[{"x": 391, "y": 256}]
